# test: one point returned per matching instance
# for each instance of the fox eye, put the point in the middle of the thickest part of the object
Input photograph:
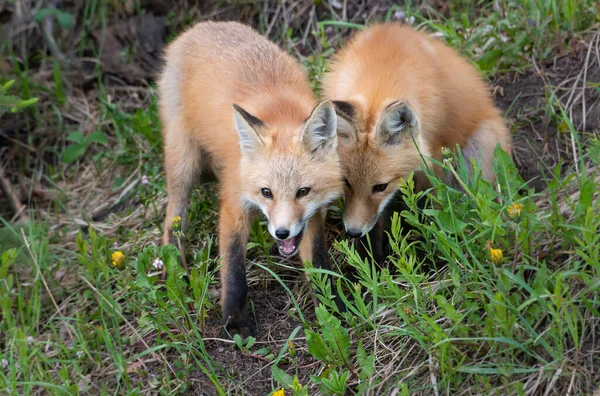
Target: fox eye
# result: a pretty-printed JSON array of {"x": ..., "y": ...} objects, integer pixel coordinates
[
  {"x": 347, "y": 183},
  {"x": 380, "y": 187},
  {"x": 303, "y": 192},
  {"x": 266, "y": 193}
]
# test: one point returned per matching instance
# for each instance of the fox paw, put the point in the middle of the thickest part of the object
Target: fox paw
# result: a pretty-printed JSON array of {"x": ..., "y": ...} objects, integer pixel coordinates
[{"x": 244, "y": 327}]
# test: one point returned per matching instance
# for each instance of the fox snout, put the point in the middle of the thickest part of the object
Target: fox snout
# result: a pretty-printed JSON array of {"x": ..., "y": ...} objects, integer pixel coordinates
[
  {"x": 358, "y": 220},
  {"x": 285, "y": 222}
]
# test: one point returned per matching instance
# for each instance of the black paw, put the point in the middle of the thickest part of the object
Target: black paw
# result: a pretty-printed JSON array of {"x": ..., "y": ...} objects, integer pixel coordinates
[{"x": 242, "y": 326}]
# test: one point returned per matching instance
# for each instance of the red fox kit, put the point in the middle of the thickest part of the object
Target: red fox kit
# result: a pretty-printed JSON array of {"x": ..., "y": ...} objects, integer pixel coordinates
[
  {"x": 393, "y": 87},
  {"x": 235, "y": 106}
]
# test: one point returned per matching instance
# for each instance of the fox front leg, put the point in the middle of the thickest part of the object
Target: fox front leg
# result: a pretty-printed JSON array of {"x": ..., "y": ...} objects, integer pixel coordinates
[{"x": 233, "y": 237}]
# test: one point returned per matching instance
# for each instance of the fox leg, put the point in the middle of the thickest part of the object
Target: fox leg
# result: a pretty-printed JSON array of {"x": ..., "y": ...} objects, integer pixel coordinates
[
  {"x": 183, "y": 161},
  {"x": 313, "y": 248},
  {"x": 233, "y": 239}
]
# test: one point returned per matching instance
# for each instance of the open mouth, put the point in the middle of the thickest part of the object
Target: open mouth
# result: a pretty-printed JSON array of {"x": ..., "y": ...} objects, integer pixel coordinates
[{"x": 289, "y": 247}]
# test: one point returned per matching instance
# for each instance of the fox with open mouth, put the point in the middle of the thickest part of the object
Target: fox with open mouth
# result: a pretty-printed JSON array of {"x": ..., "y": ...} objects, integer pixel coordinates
[{"x": 235, "y": 106}]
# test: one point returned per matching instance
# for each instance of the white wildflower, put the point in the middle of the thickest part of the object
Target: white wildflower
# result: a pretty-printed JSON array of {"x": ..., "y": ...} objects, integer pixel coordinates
[
  {"x": 158, "y": 264},
  {"x": 115, "y": 246},
  {"x": 411, "y": 20},
  {"x": 79, "y": 354},
  {"x": 4, "y": 364},
  {"x": 145, "y": 180},
  {"x": 30, "y": 339},
  {"x": 400, "y": 15},
  {"x": 503, "y": 38}
]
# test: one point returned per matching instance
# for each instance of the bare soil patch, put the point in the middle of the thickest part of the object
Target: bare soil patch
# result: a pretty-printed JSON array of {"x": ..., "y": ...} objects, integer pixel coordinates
[{"x": 541, "y": 140}]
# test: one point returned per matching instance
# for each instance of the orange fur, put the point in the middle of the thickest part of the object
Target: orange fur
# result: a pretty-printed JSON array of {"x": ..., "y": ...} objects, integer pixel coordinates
[
  {"x": 442, "y": 93},
  {"x": 274, "y": 143}
]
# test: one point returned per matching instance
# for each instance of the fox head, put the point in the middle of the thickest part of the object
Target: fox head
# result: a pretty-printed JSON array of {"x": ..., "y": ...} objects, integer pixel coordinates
[
  {"x": 375, "y": 152},
  {"x": 289, "y": 174}
]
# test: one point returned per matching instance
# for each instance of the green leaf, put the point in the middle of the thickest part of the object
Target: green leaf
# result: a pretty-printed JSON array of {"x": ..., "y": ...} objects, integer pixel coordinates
[
  {"x": 365, "y": 362},
  {"x": 334, "y": 334},
  {"x": 110, "y": 305},
  {"x": 281, "y": 376},
  {"x": 26, "y": 103},
  {"x": 76, "y": 137},
  {"x": 587, "y": 191},
  {"x": 64, "y": 19},
  {"x": 8, "y": 257},
  {"x": 42, "y": 13},
  {"x": 508, "y": 176},
  {"x": 238, "y": 341},
  {"x": 262, "y": 351},
  {"x": 7, "y": 85},
  {"x": 97, "y": 137},
  {"x": 450, "y": 224},
  {"x": 317, "y": 347},
  {"x": 73, "y": 152},
  {"x": 489, "y": 59},
  {"x": 250, "y": 341}
]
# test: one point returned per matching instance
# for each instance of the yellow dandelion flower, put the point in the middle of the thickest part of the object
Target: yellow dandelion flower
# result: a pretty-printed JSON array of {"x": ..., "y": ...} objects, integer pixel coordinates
[
  {"x": 279, "y": 392},
  {"x": 176, "y": 223},
  {"x": 118, "y": 258},
  {"x": 496, "y": 255},
  {"x": 514, "y": 210}
]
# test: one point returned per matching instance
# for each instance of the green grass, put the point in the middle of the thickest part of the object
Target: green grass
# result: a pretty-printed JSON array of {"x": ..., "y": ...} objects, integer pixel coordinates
[{"x": 441, "y": 318}]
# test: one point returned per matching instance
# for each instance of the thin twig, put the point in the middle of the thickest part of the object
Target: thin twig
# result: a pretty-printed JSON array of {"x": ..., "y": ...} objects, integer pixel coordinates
[{"x": 432, "y": 376}]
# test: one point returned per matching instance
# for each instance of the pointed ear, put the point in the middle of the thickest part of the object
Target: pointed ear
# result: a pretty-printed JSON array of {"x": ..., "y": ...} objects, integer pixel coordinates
[
  {"x": 397, "y": 123},
  {"x": 346, "y": 128},
  {"x": 246, "y": 125},
  {"x": 319, "y": 134}
]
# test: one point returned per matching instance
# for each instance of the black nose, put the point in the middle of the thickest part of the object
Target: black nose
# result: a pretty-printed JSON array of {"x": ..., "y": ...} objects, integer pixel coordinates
[
  {"x": 352, "y": 233},
  {"x": 282, "y": 233}
]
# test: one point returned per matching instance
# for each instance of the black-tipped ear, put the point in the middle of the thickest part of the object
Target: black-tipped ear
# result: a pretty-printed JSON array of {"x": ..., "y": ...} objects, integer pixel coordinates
[
  {"x": 344, "y": 109},
  {"x": 246, "y": 125},
  {"x": 320, "y": 132},
  {"x": 346, "y": 128},
  {"x": 397, "y": 122}
]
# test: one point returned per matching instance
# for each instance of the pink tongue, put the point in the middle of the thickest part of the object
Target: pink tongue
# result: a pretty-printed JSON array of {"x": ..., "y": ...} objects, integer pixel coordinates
[{"x": 289, "y": 245}]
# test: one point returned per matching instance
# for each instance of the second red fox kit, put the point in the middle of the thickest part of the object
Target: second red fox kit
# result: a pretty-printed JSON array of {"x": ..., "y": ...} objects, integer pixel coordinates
[
  {"x": 394, "y": 87},
  {"x": 234, "y": 105}
]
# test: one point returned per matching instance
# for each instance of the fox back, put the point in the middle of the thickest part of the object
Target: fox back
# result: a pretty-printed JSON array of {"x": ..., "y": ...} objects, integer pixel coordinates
[{"x": 402, "y": 95}]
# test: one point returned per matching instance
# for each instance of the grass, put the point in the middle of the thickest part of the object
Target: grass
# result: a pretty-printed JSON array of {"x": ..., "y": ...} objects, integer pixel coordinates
[{"x": 443, "y": 317}]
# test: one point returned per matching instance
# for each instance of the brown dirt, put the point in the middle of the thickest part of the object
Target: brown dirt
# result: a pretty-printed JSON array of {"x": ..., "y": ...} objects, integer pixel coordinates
[
  {"x": 274, "y": 326},
  {"x": 540, "y": 141}
]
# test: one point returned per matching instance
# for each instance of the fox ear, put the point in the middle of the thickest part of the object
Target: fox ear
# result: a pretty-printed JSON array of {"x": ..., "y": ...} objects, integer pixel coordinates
[
  {"x": 397, "y": 123},
  {"x": 319, "y": 134},
  {"x": 346, "y": 129},
  {"x": 246, "y": 125}
]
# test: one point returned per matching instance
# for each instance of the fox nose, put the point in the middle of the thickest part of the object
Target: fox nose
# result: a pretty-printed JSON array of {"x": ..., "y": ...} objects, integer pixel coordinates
[
  {"x": 353, "y": 233},
  {"x": 282, "y": 233}
]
